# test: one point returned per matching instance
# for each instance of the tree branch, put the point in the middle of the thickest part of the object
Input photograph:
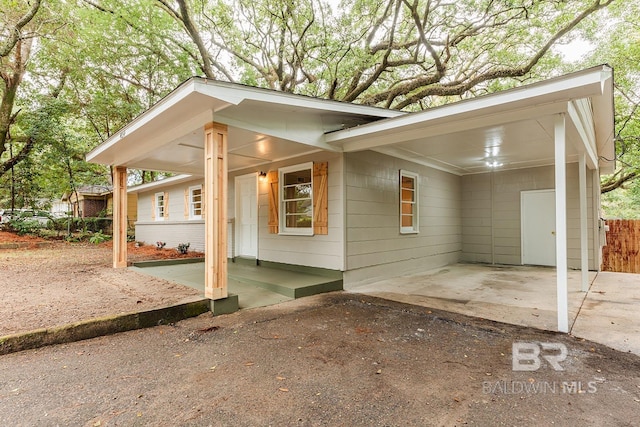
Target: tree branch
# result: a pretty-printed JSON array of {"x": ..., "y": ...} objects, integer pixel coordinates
[{"x": 14, "y": 33}]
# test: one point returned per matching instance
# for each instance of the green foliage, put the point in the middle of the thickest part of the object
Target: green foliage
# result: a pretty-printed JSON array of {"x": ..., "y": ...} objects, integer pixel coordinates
[
  {"x": 183, "y": 248},
  {"x": 99, "y": 237},
  {"x": 24, "y": 226},
  {"x": 96, "y": 65},
  {"x": 85, "y": 225}
]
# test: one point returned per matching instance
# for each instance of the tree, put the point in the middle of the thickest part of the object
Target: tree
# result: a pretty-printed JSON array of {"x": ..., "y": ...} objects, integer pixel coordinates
[
  {"x": 402, "y": 54},
  {"x": 619, "y": 45},
  {"x": 15, "y": 51}
]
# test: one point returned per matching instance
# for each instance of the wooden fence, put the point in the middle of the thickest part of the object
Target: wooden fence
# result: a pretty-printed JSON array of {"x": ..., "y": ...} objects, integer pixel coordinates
[{"x": 622, "y": 252}]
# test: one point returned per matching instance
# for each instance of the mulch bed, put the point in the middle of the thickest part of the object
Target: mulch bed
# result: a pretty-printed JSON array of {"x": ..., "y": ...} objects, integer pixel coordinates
[{"x": 10, "y": 240}]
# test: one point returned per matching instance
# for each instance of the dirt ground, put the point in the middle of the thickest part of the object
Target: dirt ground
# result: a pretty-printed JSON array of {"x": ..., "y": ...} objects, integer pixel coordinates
[
  {"x": 68, "y": 282},
  {"x": 335, "y": 359},
  {"x": 330, "y": 360}
]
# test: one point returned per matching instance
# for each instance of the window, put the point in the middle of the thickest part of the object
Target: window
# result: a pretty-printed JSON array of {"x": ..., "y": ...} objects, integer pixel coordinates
[
  {"x": 408, "y": 202},
  {"x": 160, "y": 201},
  {"x": 296, "y": 189},
  {"x": 195, "y": 202}
]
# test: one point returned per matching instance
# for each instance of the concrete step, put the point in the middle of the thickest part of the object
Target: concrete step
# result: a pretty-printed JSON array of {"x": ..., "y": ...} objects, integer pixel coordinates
[{"x": 288, "y": 283}]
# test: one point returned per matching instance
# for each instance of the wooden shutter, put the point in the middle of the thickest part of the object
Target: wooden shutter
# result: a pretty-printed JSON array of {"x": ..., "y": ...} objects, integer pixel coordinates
[
  {"x": 320, "y": 198},
  {"x": 153, "y": 207},
  {"x": 272, "y": 179},
  {"x": 186, "y": 203},
  {"x": 166, "y": 205}
]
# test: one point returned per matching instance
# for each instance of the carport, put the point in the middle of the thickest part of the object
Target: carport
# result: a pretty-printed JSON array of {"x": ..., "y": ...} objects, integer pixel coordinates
[{"x": 565, "y": 124}]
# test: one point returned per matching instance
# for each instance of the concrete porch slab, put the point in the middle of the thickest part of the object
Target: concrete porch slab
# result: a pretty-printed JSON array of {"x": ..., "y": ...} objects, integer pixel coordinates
[{"x": 256, "y": 286}]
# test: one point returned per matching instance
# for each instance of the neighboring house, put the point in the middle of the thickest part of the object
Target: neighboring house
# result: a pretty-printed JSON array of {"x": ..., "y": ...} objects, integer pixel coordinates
[
  {"x": 90, "y": 201},
  {"x": 506, "y": 178},
  {"x": 132, "y": 208},
  {"x": 60, "y": 208}
]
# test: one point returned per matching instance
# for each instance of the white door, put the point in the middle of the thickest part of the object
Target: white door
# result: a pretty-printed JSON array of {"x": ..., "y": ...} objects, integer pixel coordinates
[
  {"x": 538, "y": 222},
  {"x": 247, "y": 216}
]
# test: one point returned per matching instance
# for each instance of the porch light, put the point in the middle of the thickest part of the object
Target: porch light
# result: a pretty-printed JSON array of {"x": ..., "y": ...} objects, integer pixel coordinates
[{"x": 262, "y": 176}]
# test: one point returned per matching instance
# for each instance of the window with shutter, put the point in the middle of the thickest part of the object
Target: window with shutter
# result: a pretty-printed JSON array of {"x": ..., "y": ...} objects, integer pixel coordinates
[
  {"x": 159, "y": 207},
  {"x": 298, "y": 199},
  {"x": 195, "y": 202}
]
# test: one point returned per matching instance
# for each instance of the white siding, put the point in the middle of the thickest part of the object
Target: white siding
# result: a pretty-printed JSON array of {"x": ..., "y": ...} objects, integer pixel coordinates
[
  {"x": 174, "y": 230},
  {"x": 172, "y": 233},
  {"x": 375, "y": 247},
  {"x": 491, "y": 213}
]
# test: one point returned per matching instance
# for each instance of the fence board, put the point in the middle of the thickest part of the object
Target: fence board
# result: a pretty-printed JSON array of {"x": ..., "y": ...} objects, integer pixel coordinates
[{"x": 622, "y": 252}]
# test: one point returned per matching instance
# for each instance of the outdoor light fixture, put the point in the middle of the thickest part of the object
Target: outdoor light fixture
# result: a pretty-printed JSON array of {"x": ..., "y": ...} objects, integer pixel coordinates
[{"x": 262, "y": 176}]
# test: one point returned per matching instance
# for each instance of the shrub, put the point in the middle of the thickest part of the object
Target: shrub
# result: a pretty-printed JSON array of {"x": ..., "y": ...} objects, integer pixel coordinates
[
  {"x": 183, "y": 248},
  {"x": 24, "y": 226},
  {"x": 98, "y": 238}
]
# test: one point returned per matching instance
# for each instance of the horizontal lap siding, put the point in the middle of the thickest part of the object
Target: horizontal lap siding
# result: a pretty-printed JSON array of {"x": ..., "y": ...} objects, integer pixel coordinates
[
  {"x": 491, "y": 213},
  {"x": 174, "y": 230},
  {"x": 172, "y": 233},
  {"x": 375, "y": 247},
  {"x": 322, "y": 251}
]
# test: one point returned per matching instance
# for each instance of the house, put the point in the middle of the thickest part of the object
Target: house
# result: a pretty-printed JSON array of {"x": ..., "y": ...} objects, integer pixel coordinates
[
  {"x": 90, "y": 201},
  {"x": 506, "y": 178}
]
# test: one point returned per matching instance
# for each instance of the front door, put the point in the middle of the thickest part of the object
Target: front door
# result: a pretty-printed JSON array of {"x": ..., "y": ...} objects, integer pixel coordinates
[
  {"x": 246, "y": 216},
  {"x": 538, "y": 221}
]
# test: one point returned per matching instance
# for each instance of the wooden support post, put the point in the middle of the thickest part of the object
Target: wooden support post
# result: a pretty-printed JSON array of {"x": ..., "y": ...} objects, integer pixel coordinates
[
  {"x": 561, "y": 223},
  {"x": 215, "y": 210},
  {"x": 119, "y": 217}
]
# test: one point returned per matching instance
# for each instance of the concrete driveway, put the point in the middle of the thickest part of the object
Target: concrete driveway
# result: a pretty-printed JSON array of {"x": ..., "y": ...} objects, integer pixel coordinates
[{"x": 522, "y": 295}]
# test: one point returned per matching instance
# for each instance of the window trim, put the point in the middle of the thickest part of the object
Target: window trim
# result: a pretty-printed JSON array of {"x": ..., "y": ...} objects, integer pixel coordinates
[
  {"x": 415, "y": 227},
  {"x": 159, "y": 216},
  {"x": 192, "y": 215},
  {"x": 283, "y": 229}
]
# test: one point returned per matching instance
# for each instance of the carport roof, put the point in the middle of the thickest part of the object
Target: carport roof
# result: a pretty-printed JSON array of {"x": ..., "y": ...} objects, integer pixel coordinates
[{"x": 511, "y": 129}]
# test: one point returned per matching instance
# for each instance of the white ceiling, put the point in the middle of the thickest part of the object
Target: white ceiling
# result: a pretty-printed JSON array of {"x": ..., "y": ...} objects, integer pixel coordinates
[{"x": 525, "y": 143}]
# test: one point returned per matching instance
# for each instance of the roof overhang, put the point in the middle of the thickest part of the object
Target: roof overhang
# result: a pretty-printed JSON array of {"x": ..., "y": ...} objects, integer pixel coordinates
[
  {"x": 162, "y": 183},
  {"x": 513, "y": 128},
  {"x": 264, "y": 126}
]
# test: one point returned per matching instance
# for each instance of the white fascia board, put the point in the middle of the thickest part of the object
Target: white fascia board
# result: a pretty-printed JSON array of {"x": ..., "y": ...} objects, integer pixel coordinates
[
  {"x": 451, "y": 124},
  {"x": 222, "y": 90},
  {"x": 559, "y": 90},
  {"x": 172, "y": 180},
  {"x": 178, "y": 95},
  {"x": 603, "y": 116},
  {"x": 586, "y": 132},
  {"x": 163, "y": 105}
]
